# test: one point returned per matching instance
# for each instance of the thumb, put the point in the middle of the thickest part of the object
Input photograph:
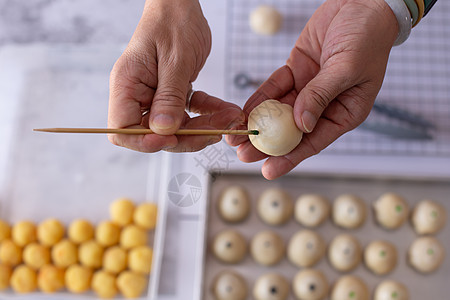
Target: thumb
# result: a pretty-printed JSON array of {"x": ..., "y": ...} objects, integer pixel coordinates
[
  {"x": 169, "y": 101},
  {"x": 317, "y": 95}
]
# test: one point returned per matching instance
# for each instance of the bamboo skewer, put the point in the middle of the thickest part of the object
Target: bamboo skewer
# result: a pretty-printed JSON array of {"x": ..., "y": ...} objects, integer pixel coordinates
[{"x": 148, "y": 131}]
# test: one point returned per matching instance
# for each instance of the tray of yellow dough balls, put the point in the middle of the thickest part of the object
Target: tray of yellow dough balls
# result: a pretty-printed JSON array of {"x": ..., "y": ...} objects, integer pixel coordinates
[
  {"x": 108, "y": 259},
  {"x": 319, "y": 236}
]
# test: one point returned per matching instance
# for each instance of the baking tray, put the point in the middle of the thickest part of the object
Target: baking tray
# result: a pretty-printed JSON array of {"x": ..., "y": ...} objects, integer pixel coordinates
[
  {"x": 369, "y": 188},
  {"x": 70, "y": 176}
]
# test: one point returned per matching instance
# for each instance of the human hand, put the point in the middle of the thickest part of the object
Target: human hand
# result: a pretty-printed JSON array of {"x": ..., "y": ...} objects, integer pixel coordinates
[
  {"x": 331, "y": 78},
  {"x": 166, "y": 53}
]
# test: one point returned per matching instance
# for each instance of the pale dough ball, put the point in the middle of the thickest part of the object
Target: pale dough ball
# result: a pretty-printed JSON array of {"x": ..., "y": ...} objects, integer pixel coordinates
[
  {"x": 50, "y": 231},
  {"x": 115, "y": 259},
  {"x": 275, "y": 206},
  {"x": 78, "y": 278},
  {"x": 36, "y": 255},
  {"x": 64, "y": 253},
  {"x": 10, "y": 253},
  {"x": 350, "y": 288},
  {"x": 133, "y": 236},
  {"x": 391, "y": 210},
  {"x": 24, "y": 279},
  {"x": 140, "y": 259},
  {"x": 349, "y": 211},
  {"x": 267, "y": 248},
  {"x": 229, "y": 246},
  {"x": 234, "y": 204},
  {"x": 51, "y": 279},
  {"x": 131, "y": 284},
  {"x": 5, "y": 230},
  {"x": 311, "y": 210},
  {"x": 121, "y": 211},
  {"x": 428, "y": 217},
  {"x": 278, "y": 133},
  {"x": 81, "y": 231},
  {"x": 310, "y": 284},
  {"x": 5, "y": 276},
  {"x": 380, "y": 257},
  {"x": 90, "y": 254},
  {"x": 271, "y": 286},
  {"x": 344, "y": 253},
  {"x": 24, "y": 233},
  {"x": 107, "y": 233},
  {"x": 145, "y": 215},
  {"x": 104, "y": 284},
  {"x": 391, "y": 290},
  {"x": 265, "y": 20},
  {"x": 305, "y": 248},
  {"x": 426, "y": 254},
  {"x": 229, "y": 285}
]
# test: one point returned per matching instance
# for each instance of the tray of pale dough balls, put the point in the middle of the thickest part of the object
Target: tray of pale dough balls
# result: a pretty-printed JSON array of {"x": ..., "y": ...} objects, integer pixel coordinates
[{"x": 312, "y": 236}]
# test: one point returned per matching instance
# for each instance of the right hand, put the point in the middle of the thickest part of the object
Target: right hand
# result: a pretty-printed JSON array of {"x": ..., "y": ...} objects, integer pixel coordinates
[{"x": 166, "y": 53}]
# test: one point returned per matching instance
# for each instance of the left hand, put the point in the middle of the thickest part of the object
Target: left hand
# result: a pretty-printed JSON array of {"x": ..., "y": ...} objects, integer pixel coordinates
[{"x": 331, "y": 78}]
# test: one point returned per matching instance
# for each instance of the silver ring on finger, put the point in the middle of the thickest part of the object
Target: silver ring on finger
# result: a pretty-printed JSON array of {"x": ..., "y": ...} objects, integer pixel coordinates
[{"x": 188, "y": 99}]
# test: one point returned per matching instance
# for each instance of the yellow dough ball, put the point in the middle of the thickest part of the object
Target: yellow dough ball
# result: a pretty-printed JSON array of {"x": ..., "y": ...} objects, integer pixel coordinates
[
  {"x": 121, "y": 211},
  {"x": 5, "y": 276},
  {"x": 36, "y": 255},
  {"x": 107, "y": 233},
  {"x": 350, "y": 288},
  {"x": 278, "y": 133},
  {"x": 115, "y": 260},
  {"x": 140, "y": 259},
  {"x": 24, "y": 279},
  {"x": 50, "y": 231},
  {"x": 380, "y": 257},
  {"x": 90, "y": 254},
  {"x": 24, "y": 233},
  {"x": 104, "y": 284},
  {"x": 265, "y": 20},
  {"x": 133, "y": 236},
  {"x": 10, "y": 253},
  {"x": 5, "y": 231},
  {"x": 131, "y": 284},
  {"x": 81, "y": 231},
  {"x": 145, "y": 215},
  {"x": 64, "y": 254},
  {"x": 78, "y": 278},
  {"x": 50, "y": 279}
]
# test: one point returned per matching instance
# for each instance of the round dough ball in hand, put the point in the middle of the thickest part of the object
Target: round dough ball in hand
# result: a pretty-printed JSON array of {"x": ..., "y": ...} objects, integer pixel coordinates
[
  {"x": 80, "y": 231},
  {"x": 350, "y": 288},
  {"x": 310, "y": 284},
  {"x": 229, "y": 246},
  {"x": 234, "y": 204},
  {"x": 426, "y": 254},
  {"x": 265, "y": 20},
  {"x": 115, "y": 260},
  {"x": 428, "y": 217},
  {"x": 78, "y": 278},
  {"x": 104, "y": 284},
  {"x": 51, "y": 279},
  {"x": 121, "y": 211},
  {"x": 311, "y": 210},
  {"x": 36, "y": 255},
  {"x": 391, "y": 290},
  {"x": 145, "y": 215},
  {"x": 349, "y": 211},
  {"x": 5, "y": 276},
  {"x": 267, "y": 248},
  {"x": 278, "y": 133},
  {"x": 271, "y": 286},
  {"x": 391, "y": 210},
  {"x": 24, "y": 279},
  {"x": 344, "y": 253},
  {"x": 50, "y": 232},
  {"x": 10, "y": 253},
  {"x": 275, "y": 206},
  {"x": 24, "y": 233},
  {"x": 229, "y": 285},
  {"x": 131, "y": 284},
  {"x": 305, "y": 248},
  {"x": 380, "y": 257}
]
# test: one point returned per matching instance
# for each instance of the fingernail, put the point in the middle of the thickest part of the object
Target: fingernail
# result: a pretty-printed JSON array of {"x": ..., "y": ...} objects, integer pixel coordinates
[
  {"x": 163, "y": 122},
  {"x": 308, "y": 121}
]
